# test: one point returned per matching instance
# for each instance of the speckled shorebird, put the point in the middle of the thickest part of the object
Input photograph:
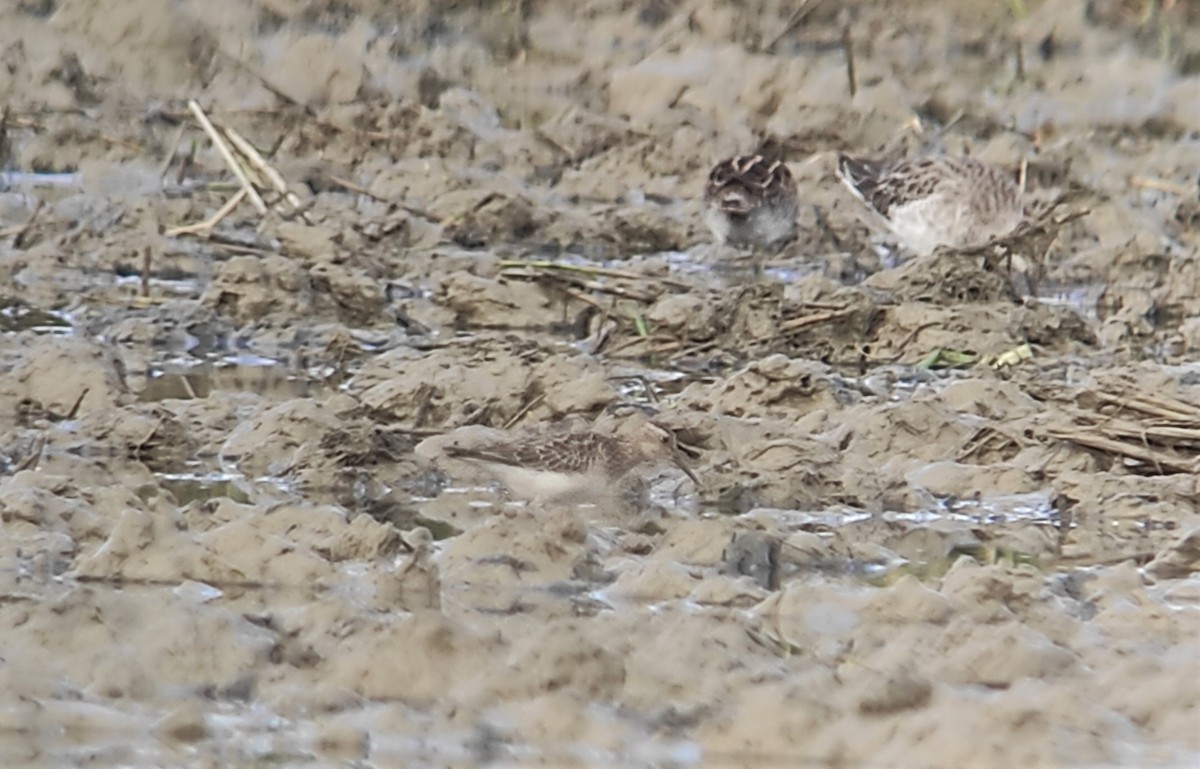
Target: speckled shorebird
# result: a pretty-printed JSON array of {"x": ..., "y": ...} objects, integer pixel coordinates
[
  {"x": 750, "y": 202},
  {"x": 936, "y": 201},
  {"x": 581, "y": 465}
]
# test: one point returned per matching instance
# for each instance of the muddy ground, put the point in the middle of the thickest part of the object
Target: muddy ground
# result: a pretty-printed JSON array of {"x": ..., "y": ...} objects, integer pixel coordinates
[{"x": 949, "y": 505}]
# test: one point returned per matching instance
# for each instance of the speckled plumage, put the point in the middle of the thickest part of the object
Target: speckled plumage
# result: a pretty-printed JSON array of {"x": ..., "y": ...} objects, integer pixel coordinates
[
  {"x": 567, "y": 453},
  {"x": 750, "y": 201},
  {"x": 581, "y": 464},
  {"x": 937, "y": 201}
]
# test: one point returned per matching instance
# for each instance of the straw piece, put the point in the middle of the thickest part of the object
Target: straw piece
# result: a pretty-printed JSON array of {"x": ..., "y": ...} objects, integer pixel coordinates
[
  {"x": 227, "y": 154},
  {"x": 269, "y": 173},
  {"x": 207, "y": 225}
]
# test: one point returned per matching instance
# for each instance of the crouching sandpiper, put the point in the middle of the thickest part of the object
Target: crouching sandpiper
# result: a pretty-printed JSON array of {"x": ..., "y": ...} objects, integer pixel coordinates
[
  {"x": 936, "y": 202},
  {"x": 560, "y": 464}
]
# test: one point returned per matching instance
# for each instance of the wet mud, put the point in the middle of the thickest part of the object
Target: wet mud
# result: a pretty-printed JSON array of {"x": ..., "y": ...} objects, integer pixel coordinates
[{"x": 948, "y": 512}]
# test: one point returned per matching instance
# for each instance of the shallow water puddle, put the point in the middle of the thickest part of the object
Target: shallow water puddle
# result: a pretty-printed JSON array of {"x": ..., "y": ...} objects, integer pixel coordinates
[
  {"x": 15, "y": 315},
  {"x": 245, "y": 736},
  {"x": 181, "y": 285},
  {"x": 256, "y": 375},
  {"x": 1081, "y": 297},
  {"x": 201, "y": 487},
  {"x": 20, "y": 179},
  {"x": 931, "y": 566}
]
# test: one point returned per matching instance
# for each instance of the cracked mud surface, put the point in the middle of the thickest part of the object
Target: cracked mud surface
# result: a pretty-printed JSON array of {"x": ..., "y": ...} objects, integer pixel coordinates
[{"x": 944, "y": 522}]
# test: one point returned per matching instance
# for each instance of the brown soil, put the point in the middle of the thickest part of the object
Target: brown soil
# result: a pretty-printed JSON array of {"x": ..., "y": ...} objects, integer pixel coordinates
[{"x": 949, "y": 507}]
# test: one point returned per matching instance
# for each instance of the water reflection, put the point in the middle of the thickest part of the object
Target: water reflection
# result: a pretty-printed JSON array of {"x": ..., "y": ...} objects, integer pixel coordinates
[
  {"x": 251, "y": 374},
  {"x": 16, "y": 315}
]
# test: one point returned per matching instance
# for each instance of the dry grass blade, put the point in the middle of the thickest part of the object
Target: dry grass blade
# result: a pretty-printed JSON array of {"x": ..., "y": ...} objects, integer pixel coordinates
[
  {"x": 266, "y": 82},
  {"x": 1162, "y": 185},
  {"x": 605, "y": 272},
  {"x": 227, "y": 154},
  {"x": 169, "y": 160},
  {"x": 1161, "y": 461},
  {"x": 358, "y": 189},
  {"x": 804, "y": 321},
  {"x": 797, "y": 18},
  {"x": 794, "y": 325},
  {"x": 651, "y": 345},
  {"x": 1174, "y": 434},
  {"x": 74, "y": 412},
  {"x": 530, "y": 405},
  {"x": 587, "y": 285},
  {"x": 579, "y": 296},
  {"x": 208, "y": 225},
  {"x": 1156, "y": 406},
  {"x": 1157, "y": 432},
  {"x": 268, "y": 172},
  {"x": 34, "y": 456},
  {"x": 993, "y": 439},
  {"x": 695, "y": 350},
  {"x": 1043, "y": 223},
  {"x": 1032, "y": 239},
  {"x": 555, "y": 144}
]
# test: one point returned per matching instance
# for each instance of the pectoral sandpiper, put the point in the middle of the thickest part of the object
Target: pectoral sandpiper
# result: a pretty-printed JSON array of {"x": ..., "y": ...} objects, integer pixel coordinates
[
  {"x": 933, "y": 202},
  {"x": 557, "y": 465}
]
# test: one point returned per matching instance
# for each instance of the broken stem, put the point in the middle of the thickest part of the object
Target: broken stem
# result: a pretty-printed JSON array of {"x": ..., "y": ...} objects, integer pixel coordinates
[
  {"x": 227, "y": 155},
  {"x": 207, "y": 225},
  {"x": 266, "y": 169}
]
